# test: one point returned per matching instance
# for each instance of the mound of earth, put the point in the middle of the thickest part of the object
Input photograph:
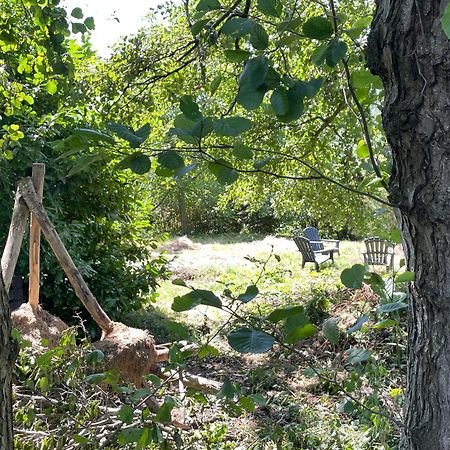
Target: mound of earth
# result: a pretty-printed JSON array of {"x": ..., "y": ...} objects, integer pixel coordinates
[
  {"x": 179, "y": 244},
  {"x": 129, "y": 350},
  {"x": 37, "y": 326}
]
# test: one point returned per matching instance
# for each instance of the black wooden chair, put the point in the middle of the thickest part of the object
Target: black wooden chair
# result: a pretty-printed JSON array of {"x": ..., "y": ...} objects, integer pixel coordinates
[
  {"x": 309, "y": 255},
  {"x": 317, "y": 243},
  {"x": 379, "y": 252}
]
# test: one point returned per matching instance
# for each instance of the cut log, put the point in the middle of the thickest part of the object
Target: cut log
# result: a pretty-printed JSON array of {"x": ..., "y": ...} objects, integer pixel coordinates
[
  {"x": 14, "y": 240},
  {"x": 38, "y": 175},
  {"x": 27, "y": 191}
]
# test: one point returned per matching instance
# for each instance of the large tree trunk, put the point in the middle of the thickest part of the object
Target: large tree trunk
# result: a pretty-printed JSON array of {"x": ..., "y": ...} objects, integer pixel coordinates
[
  {"x": 410, "y": 52},
  {"x": 7, "y": 357}
]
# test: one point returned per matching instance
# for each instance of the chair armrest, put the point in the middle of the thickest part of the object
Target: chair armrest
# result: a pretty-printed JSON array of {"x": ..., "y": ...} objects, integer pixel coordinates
[
  {"x": 329, "y": 250},
  {"x": 331, "y": 240}
]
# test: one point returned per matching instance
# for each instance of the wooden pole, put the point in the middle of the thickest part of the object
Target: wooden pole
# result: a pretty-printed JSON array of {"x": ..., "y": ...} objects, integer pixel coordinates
[
  {"x": 26, "y": 190},
  {"x": 38, "y": 175},
  {"x": 14, "y": 240}
]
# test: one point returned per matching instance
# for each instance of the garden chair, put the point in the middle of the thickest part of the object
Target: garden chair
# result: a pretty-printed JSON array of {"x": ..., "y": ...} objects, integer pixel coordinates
[
  {"x": 379, "y": 252},
  {"x": 312, "y": 234},
  {"x": 309, "y": 255}
]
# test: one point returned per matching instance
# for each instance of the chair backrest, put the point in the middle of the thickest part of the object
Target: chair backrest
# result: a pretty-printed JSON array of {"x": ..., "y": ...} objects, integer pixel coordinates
[
  {"x": 312, "y": 234},
  {"x": 304, "y": 246},
  {"x": 379, "y": 251}
]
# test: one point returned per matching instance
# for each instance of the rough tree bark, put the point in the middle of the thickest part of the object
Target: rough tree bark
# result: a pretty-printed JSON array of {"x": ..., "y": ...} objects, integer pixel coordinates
[
  {"x": 7, "y": 357},
  {"x": 410, "y": 52}
]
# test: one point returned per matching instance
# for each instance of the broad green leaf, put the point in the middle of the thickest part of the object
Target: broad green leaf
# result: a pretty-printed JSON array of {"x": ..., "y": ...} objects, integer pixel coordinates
[
  {"x": 259, "y": 37},
  {"x": 319, "y": 54},
  {"x": 262, "y": 162},
  {"x": 390, "y": 307},
  {"x": 318, "y": 28},
  {"x": 405, "y": 277},
  {"x": 289, "y": 25},
  {"x": 198, "y": 26},
  {"x": 297, "y": 327},
  {"x": 335, "y": 52},
  {"x": 237, "y": 27},
  {"x": 246, "y": 340},
  {"x": 78, "y": 28},
  {"x": 129, "y": 436},
  {"x": 208, "y": 350},
  {"x": 137, "y": 162},
  {"x": 330, "y": 330},
  {"x": 362, "y": 78},
  {"x": 95, "y": 378},
  {"x": 126, "y": 133},
  {"x": 356, "y": 356},
  {"x": 362, "y": 150},
  {"x": 258, "y": 399},
  {"x": 445, "y": 20},
  {"x": 208, "y": 5},
  {"x": 247, "y": 403},
  {"x": 51, "y": 87},
  {"x": 310, "y": 88},
  {"x": 279, "y": 101},
  {"x": 93, "y": 135},
  {"x": 255, "y": 72},
  {"x": 143, "y": 132},
  {"x": 359, "y": 26},
  {"x": 237, "y": 55},
  {"x": 270, "y": 7},
  {"x": 353, "y": 277},
  {"x": 295, "y": 95},
  {"x": 139, "y": 394},
  {"x": 215, "y": 84},
  {"x": 250, "y": 293},
  {"x": 385, "y": 324},
  {"x": 241, "y": 151},
  {"x": 358, "y": 324},
  {"x": 179, "y": 282},
  {"x": 189, "y": 108},
  {"x": 223, "y": 172},
  {"x": 77, "y": 13},
  {"x": 249, "y": 97},
  {"x": 125, "y": 414},
  {"x": 195, "y": 298},
  {"x": 83, "y": 162},
  {"x": 232, "y": 126},
  {"x": 283, "y": 313},
  {"x": 89, "y": 23},
  {"x": 164, "y": 413},
  {"x": 170, "y": 159},
  {"x": 227, "y": 390},
  {"x": 80, "y": 439}
]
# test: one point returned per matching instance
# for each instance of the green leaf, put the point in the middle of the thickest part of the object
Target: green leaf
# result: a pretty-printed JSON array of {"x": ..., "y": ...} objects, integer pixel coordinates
[
  {"x": 358, "y": 324},
  {"x": 137, "y": 162},
  {"x": 259, "y": 37},
  {"x": 297, "y": 328},
  {"x": 189, "y": 107},
  {"x": 359, "y": 26},
  {"x": 83, "y": 162},
  {"x": 295, "y": 95},
  {"x": 246, "y": 340},
  {"x": 129, "y": 436},
  {"x": 164, "y": 413},
  {"x": 232, "y": 126},
  {"x": 250, "y": 293},
  {"x": 362, "y": 150},
  {"x": 319, "y": 54},
  {"x": 318, "y": 28},
  {"x": 139, "y": 394},
  {"x": 79, "y": 28},
  {"x": 89, "y": 22},
  {"x": 179, "y": 282},
  {"x": 335, "y": 52},
  {"x": 385, "y": 324},
  {"x": 195, "y": 298},
  {"x": 405, "y": 277},
  {"x": 77, "y": 13},
  {"x": 208, "y": 5},
  {"x": 241, "y": 151},
  {"x": 80, "y": 439},
  {"x": 143, "y": 132},
  {"x": 223, "y": 172},
  {"x": 51, "y": 87},
  {"x": 208, "y": 350},
  {"x": 353, "y": 277},
  {"x": 279, "y": 101},
  {"x": 237, "y": 27},
  {"x": 270, "y": 7},
  {"x": 255, "y": 72},
  {"x": 93, "y": 135},
  {"x": 356, "y": 356},
  {"x": 249, "y": 97},
  {"x": 237, "y": 56},
  {"x": 330, "y": 330},
  {"x": 445, "y": 20},
  {"x": 125, "y": 414},
  {"x": 361, "y": 79},
  {"x": 247, "y": 403},
  {"x": 126, "y": 133},
  {"x": 390, "y": 307},
  {"x": 170, "y": 159},
  {"x": 215, "y": 84},
  {"x": 262, "y": 162},
  {"x": 198, "y": 26},
  {"x": 283, "y": 313},
  {"x": 227, "y": 390}
]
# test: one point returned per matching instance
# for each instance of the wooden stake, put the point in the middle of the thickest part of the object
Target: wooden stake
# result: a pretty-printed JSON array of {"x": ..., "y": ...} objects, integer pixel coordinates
[
  {"x": 38, "y": 175},
  {"x": 14, "y": 240},
  {"x": 26, "y": 190}
]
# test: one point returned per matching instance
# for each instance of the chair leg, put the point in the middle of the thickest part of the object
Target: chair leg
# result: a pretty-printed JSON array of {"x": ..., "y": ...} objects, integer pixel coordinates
[
  {"x": 303, "y": 264},
  {"x": 317, "y": 267}
]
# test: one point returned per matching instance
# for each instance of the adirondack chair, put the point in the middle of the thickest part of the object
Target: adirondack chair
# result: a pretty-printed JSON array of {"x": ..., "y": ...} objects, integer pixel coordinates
[
  {"x": 309, "y": 255},
  {"x": 312, "y": 234},
  {"x": 379, "y": 252}
]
